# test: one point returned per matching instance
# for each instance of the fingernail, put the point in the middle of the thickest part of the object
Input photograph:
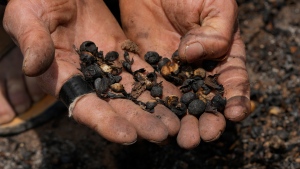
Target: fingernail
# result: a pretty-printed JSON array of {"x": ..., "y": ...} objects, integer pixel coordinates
[
  {"x": 215, "y": 138},
  {"x": 130, "y": 143},
  {"x": 193, "y": 52},
  {"x": 26, "y": 56}
]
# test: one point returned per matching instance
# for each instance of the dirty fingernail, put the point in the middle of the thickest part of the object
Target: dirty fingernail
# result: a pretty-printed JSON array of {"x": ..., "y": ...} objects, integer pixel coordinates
[
  {"x": 129, "y": 143},
  {"x": 214, "y": 138},
  {"x": 25, "y": 60},
  {"x": 193, "y": 52}
]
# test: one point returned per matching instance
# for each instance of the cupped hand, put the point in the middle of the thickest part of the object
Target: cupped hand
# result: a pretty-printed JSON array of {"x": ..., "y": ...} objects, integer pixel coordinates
[
  {"x": 202, "y": 29},
  {"x": 46, "y": 32}
]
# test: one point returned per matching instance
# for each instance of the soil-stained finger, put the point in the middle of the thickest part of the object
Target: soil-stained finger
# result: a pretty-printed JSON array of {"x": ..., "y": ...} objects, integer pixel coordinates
[
  {"x": 237, "y": 108},
  {"x": 100, "y": 116},
  {"x": 168, "y": 118},
  {"x": 147, "y": 126},
  {"x": 6, "y": 111},
  {"x": 189, "y": 135},
  {"x": 17, "y": 94},
  {"x": 234, "y": 78},
  {"x": 211, "y": 126}
]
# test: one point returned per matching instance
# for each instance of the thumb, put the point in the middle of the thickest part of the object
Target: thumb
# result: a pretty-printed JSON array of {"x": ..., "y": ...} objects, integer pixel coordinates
[
  {"x": 32, "y": 36},
  {"x": 213, "y": 35}
]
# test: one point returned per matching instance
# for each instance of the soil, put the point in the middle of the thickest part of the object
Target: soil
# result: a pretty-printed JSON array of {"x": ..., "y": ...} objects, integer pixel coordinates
[{"x": 268, "y": 138}]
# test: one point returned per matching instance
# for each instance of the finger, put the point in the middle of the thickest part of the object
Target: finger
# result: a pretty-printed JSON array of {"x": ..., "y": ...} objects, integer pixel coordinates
[
  {"x": 189, "y": 135},
  {"x": 211, "y": 35},
  {"x": 34, "y": 89},
  {"x": 6, "y": 111},
  {"x": 14, "y": 83},
  {"x": 211, "y": 126},
  {"x": 17, "y": 94},
  {"x": 234, "y": 78},
  {"x": 32, "y": 36},
  {"x": 148, "y": 126},
  {"x": 101, "y": 117},
  {"x": 168, "y": 118}
]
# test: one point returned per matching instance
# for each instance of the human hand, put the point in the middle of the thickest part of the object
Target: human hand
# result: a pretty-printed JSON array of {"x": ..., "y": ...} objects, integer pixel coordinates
[
  {"x": 200, "y": 30},
  {"x": 46, "y": 31},
  {"x": 17, "y": 93}
]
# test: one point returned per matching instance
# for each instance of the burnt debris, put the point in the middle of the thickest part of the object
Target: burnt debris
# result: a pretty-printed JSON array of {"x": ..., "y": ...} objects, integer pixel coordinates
[{"x": 201, "y": 92}]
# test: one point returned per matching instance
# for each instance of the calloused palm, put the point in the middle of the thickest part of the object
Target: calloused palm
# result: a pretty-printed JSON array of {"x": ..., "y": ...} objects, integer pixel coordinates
[{"x": 199, "y": 29}]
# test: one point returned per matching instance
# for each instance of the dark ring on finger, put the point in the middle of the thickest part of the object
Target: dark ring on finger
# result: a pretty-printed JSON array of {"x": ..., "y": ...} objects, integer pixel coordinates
[{"x": 73, "y": 88}]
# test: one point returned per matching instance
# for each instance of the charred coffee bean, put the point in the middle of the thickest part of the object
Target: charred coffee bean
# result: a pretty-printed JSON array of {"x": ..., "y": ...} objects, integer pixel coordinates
[
  {"x": 127, "y": 66},
  {"x": 117, "y": 79},
  {"x": 205, "y": 89},
  {"x": 218, "y": 102},
  {"x": 184, "y": 75},
  {"x": 127, "y": 58},
  {"x": 87, "y": 58},
  {"x": 163, "y": 62},
  {"x": 188, "y": 97},
  {"x": 212, "y": 82},
  {"x": 196, "y": 107},
  {"x": 185, "y": 89},
  {"x": 196, "y": 85},
  {"x": 126, "y": 54},
  {"x": 151, "y": 104},
  {"x": 180, "y": 109},
  {"x": 115, "y": 96},
  {"x": 156, "y": 91},
  {"x": 175, "y": 56},
  {"x": 138, "y": 89},
  {"x": 106, "y": 68},
  {"x": 188, "y": 82},
  {"x": 171, "y": 101},
  {"x": 152, "y": 57},
  {"x": 101, "y": 85},
  {"x": 170, "y": 69},
  {"x": 92, "y": 72},
  {"x": 100, "y": 55},
  {"x": 152, "y": 76},
  {"x": 138, "y": 75},
  {"x": 199, "y": 72},
  {"x": 174, "y": 79},
  {"x": 117, "y": 87},
  {"x": 149, "y": 84},
  {"x": 89, "y": 46},
  {"x": 116, "y": 70},
  {"x": 186, "y": 86},
  {"x": 111, "y": 56},
  {"x": 209, "y": 65}
]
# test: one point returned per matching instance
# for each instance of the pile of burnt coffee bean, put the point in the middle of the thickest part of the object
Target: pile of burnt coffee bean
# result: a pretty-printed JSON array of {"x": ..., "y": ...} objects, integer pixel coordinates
[{"x": 102, "y": 72}]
